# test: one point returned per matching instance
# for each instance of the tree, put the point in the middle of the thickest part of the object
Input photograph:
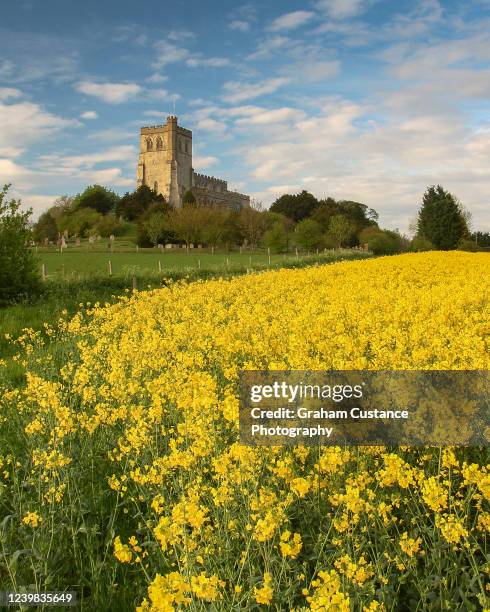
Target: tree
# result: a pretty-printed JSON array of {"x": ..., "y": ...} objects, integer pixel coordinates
[
  {"x": 324, "y": 212},
  {"x": 45, "y": 228},
  {"x": 481, "y": 238},
  {"x": 440, "y": 219},
  {"x": 161, "y": 208},
  {"x": 340, "y": 230},
  {"x": 19, "y": 275},
  {"x": 79, "y": 222},
  {"x": 155, "y": 225},
  {"x": 360, "y": 214},
  {"x": 308, "y": 234},
  {"x": 98, "y": 198},
  {"x": 253, "y": 223},
  {"x": 213, "y": 226},
  {"x": 61, "y": 206},
  {"x": 296, "y": 207},
  {"x": 232, "y": 232},
  {"x": 187, "y": 223},
  {"x": 276, "y": 238},
  {"x": 133, "y": 205},
  {"x": 189, "y": 198}
]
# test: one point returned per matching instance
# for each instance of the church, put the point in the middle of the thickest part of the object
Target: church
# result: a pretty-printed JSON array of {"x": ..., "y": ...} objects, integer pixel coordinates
[{"x": 165, "y": 165}]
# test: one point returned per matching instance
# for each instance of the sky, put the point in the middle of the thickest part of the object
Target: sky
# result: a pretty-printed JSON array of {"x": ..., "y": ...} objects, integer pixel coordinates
[{"x": 364, "y": 100}]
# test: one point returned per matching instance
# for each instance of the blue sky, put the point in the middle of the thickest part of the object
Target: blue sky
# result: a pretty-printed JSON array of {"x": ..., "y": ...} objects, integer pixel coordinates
[{"x": 356, "y": 99}]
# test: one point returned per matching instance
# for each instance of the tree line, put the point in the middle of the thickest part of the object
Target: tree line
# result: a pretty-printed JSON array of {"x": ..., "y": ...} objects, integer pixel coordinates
[{"x": 293, "y": 220}]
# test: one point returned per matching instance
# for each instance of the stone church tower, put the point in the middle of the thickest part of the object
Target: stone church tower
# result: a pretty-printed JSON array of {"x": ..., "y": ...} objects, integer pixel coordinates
[
  {"x": 165, "y": 165},
  {"x": 165, "y": 162}
]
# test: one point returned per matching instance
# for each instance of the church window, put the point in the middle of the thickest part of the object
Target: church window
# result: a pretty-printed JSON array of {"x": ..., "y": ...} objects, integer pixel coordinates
[
  {"x": 149, "y": 144},
  {"x": 159, "y": 144}
]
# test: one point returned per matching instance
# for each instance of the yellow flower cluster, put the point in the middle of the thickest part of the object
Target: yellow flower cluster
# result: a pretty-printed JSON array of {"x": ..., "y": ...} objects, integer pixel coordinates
[{"x": 149, "y": 396}]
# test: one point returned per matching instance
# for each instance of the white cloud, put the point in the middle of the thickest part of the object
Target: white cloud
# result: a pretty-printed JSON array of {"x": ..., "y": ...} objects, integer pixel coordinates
[
  {"x": 313, "y": 71},
  {"x": 6, "y": 69},
  {"x": 181, "y": 35},
  {"x": 239, "y": 24},
  {"x": 168, "y": 53},
  {"x": 25, "y": 123},
  {"x": 157, "y": 78},
  {"x": 153, "y": 113},
  {"x": 211, "y": 125},
  {"x": 9, "y": 92},
  {"x": 267, "y": 47},
  {"x": 11, "y": 170},
  {"x": 290, "y": 21},
  {"x": 267, "y": 117},
  {"x": 204, "y": 162},
  {"x": 89, "y": 115},
  {"x": 112, "y": 93},
  {"x": 341, "y": 9},
  {"x": 213, "y": 62},
  {"x": 159, "y": 94},
  {"x": 112, "y": 135},
  {"x": 73, "y": 163},
  {"x": 239, "y": 92}
]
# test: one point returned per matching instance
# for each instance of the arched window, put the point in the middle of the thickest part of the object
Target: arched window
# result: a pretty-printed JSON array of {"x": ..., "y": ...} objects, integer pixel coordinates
[
  {"x": 159, "y": 144},
  {"x": 149, "y": 144},
  {"x": 155, "y": 187}
]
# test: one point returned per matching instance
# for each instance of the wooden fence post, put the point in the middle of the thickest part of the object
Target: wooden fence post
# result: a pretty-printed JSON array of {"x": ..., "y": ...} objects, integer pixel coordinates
[
  {"x": 134, "y": 283},
  {"x": 43, "y": 272},
  {"x": 110, "y": 268}
]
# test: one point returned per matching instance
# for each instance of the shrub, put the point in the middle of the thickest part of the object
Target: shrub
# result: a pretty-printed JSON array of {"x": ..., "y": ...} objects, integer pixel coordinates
[
  {"x": 419, "y": 243},
  {"x": 107, "y": 225},
  {"x": 19, "y": 275},
  {"x": 465, "y": 244},
  {"x": 382, "y": 242}
]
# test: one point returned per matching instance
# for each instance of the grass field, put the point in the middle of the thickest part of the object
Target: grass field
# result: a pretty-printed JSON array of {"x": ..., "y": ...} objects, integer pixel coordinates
[{"x": 74, "y": 264}]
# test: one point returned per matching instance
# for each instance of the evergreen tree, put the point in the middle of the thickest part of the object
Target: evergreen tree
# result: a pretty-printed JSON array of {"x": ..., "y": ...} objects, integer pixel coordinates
[{"x": 440, "y": 219}]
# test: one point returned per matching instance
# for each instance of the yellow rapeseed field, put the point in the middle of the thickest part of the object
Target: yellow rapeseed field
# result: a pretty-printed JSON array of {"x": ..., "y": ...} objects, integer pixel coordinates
[{"x": 123, "y": 478}]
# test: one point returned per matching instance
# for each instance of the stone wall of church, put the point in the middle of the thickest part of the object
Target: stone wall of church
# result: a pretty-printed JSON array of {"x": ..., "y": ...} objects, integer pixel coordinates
[{"x": 209, "y": 190}]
